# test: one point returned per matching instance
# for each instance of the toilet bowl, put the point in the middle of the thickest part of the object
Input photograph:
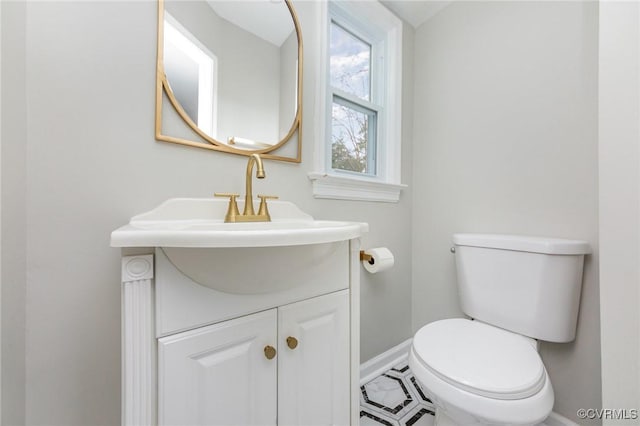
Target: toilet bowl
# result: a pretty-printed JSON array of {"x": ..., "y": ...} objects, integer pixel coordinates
[
  {"x": 477, "y": 374},
  {"x": 487, "y": 370}
]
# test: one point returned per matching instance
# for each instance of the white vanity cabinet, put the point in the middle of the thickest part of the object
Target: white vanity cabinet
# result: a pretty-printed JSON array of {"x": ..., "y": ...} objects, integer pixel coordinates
[
  {"x": 222, "y": 375},
  {"x": 228, "y": 325},
  {"x": 219, "y": 375}
]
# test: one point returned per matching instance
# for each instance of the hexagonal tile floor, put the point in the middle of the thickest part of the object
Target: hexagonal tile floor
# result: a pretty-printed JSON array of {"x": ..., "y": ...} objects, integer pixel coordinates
[{"x": 395, "y": 398}]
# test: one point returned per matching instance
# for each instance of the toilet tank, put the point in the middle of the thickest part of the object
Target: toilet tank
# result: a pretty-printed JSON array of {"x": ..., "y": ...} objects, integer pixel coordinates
[{"x": 529, "y": 285}]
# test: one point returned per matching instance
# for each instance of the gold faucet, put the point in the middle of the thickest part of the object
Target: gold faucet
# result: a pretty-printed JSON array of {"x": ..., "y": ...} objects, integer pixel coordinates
[
  {"x": 248, "y": 197},
  {"x": 249, "y": 215}
]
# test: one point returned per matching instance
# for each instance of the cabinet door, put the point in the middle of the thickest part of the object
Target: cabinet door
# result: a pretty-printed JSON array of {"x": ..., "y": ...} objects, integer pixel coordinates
[
  {"x": 219, "y": 375},
  {"x": 313, "y": 387}
]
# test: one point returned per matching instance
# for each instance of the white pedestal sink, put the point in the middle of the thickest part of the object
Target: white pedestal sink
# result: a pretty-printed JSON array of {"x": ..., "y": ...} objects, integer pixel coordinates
[{"x": 210, "y": 310}]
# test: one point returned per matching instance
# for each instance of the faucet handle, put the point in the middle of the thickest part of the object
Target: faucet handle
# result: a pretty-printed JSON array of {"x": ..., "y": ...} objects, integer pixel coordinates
[
  {"x": 262, "y": 210},
  {"x": 232, "y": 210},
  {"x": 226, "y": 194}
]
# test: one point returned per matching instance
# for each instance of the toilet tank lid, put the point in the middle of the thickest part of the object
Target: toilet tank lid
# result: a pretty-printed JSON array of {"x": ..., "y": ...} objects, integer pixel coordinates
[{"x": 523, "y": 243}]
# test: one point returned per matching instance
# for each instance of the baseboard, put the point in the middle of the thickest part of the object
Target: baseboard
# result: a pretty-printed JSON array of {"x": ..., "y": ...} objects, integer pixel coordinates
[
  {"x": 394, "y": 356},
  {"x": 383, "y": 362},
  {"x": 556, "y": 419}
]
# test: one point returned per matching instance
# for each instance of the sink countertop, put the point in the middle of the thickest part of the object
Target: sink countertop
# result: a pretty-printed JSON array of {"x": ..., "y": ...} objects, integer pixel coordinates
[{"x": 198, "y": 222}]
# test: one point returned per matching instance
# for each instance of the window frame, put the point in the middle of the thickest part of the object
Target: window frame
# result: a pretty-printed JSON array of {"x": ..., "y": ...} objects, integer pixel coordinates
[{"x": 377, "y": 26}]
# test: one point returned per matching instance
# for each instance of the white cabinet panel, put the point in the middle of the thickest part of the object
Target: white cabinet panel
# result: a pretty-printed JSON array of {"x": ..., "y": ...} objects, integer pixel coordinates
[
  {"x": 314, "y": 378},
  {"x": 219, "y": 375},
  {"x": 183, "y": 304}
]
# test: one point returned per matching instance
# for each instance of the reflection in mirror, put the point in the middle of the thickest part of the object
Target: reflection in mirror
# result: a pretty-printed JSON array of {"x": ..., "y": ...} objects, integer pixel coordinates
[
  {"x": 191, "y": 71},
  {"x": 231, "y": 70}
]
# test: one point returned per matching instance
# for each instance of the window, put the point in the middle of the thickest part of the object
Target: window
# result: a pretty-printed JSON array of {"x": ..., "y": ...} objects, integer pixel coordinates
[
  {"x": 358, "y": 151},
  {"x": 353, "y": 117}
]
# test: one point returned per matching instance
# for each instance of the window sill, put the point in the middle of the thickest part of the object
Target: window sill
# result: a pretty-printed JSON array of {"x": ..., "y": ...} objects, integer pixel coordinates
[{"x": 353, "y": 188}]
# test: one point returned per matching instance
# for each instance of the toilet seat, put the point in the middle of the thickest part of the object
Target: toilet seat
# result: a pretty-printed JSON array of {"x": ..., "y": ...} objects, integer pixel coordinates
[{"x": 480, "y": 359}]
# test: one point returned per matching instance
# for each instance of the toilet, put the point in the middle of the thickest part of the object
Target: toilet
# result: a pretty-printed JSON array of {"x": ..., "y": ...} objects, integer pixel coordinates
[{"x": 516, "y": 290}]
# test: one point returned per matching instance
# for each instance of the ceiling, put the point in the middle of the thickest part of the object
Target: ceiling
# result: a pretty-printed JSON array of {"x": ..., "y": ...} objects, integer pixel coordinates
[
  {"x": 268, "y": 19},
  {"x": 271, "y": 21},
  {"x": 415, "y": 12}
]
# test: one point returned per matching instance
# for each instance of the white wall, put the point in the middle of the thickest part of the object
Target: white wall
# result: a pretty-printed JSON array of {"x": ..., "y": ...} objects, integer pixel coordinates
[
  {"x": 506, "y": 141},
  {"x": 0, "y": 222},
  {"x": 619, "y": 166},
  {"x": 13, "y": 212},
  {"x": 89, "y": 162}
]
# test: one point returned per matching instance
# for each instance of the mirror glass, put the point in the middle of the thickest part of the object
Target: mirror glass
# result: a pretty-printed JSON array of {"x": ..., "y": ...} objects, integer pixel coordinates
[{"x": 231, "y": 70}]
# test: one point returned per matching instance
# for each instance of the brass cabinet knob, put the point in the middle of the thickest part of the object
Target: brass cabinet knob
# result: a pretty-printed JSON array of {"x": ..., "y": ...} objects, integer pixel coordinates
[
  {"x": 269, "y": 352},
  {"x": 292, "y": 342}
]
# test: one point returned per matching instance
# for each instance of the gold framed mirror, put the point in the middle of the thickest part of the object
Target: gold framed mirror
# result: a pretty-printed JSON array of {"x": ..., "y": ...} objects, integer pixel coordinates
[{"x": 229, "y": 76}]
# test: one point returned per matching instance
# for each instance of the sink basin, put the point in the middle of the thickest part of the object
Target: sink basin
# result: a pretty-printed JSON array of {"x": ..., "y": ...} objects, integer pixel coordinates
[{"x": 199, "y": 222}]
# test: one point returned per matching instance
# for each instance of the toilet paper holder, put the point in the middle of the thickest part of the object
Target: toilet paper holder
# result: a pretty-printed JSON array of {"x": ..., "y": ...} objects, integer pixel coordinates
[{"x": 366, "y": 257}]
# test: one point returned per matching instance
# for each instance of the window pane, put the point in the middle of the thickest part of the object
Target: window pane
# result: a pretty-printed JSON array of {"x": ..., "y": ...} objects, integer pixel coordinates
[
  {"x": 352, "y": 141},
  {"x": 350, "y": 63}
]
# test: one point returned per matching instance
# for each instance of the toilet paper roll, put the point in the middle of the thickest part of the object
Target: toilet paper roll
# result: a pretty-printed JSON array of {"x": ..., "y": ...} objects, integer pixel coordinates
[{"x": 381, "y": 260}]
